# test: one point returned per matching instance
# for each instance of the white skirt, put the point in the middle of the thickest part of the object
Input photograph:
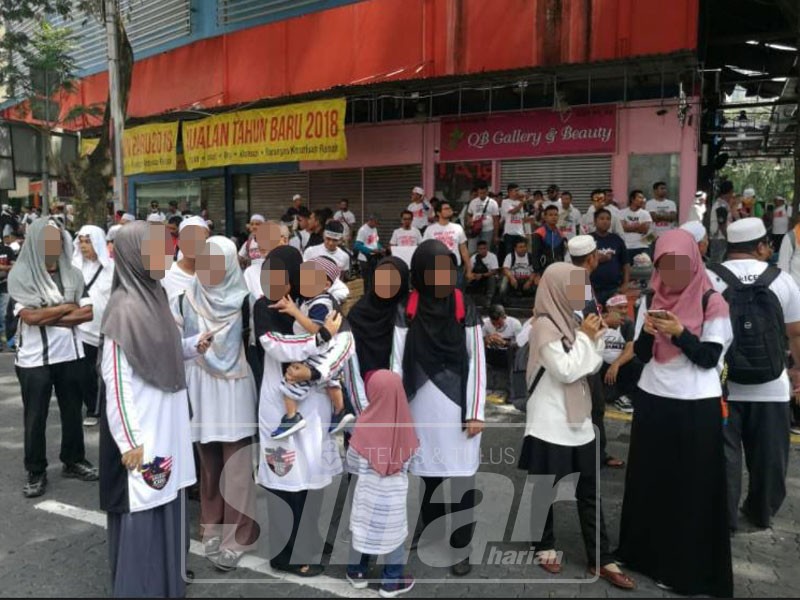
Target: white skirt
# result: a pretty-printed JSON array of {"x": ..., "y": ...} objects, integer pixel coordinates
[{"x": 223, "y": 410}]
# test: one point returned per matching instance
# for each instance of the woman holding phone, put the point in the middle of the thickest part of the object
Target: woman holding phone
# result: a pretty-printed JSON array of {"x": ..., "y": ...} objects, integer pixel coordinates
[
  {"x": 674, "y": 517},
  {"x": 222, "y": 393}
]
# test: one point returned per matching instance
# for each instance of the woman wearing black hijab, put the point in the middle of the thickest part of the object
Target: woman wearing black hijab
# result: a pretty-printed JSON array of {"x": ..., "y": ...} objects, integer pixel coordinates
[
  {"x": 294, "y": 469},
  {"x": 439, "y": 352},
  {"x": 146, "y": 458},
  {"x": 372, "y": 320}
]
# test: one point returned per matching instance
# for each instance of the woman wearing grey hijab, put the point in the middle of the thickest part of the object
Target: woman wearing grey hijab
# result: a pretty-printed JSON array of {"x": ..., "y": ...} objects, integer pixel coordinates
[
  {"x": 146, "y": 458},
  {"x": 49, "y": 300}
]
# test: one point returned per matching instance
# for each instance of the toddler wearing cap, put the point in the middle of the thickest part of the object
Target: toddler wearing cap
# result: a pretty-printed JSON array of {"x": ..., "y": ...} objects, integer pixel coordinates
[{"x": 309, "y": 318}]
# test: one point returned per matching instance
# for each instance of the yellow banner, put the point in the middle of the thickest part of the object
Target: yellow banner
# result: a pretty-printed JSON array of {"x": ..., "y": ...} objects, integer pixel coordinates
[
  {"x": 88, "y": 145},
  {"x": 307, "y": 131},
  {"x": 150, "y": 148}
]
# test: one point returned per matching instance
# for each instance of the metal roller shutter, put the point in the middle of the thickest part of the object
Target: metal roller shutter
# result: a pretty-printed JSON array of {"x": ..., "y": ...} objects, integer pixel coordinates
[
  {"x": 328, "y": 187},
  {"x": 387, "y": 191},
  {"x": 578, "y": 175},
  {"x": 212, "y": 198},
  {"x": 271, "y": 193}
]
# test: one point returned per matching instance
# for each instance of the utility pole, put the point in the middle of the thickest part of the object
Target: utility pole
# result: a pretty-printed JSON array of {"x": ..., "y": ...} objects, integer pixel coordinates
[
  {"x": 796, "y": 201},
  {"x": 117, "y": 120}
]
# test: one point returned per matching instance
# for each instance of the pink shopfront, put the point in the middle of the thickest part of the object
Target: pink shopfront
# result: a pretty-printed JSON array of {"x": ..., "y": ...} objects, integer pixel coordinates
[{"x": 621, "y": 147}]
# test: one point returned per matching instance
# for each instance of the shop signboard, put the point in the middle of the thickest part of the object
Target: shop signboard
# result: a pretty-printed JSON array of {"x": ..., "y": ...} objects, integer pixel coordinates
[
  {"x": 306, "y": 131},
  {"x": 590, "y": 130},
  {"x": 150, "y": 148}
]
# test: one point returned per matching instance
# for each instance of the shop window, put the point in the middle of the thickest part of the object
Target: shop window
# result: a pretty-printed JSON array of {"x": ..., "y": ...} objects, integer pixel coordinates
[
  {"x": 454, "y": 181},
  {"x": 185, "y": 192}
]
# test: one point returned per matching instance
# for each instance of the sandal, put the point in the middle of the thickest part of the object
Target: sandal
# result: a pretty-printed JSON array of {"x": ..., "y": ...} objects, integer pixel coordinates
[
  {"x": 300, "y": 570},
  {"x": 614, "y": 463},
  {"x": 619, "y": 580}
]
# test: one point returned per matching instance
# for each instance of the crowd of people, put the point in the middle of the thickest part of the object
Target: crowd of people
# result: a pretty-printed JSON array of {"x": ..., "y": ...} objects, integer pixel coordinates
[{"x": 188, "y": 349}]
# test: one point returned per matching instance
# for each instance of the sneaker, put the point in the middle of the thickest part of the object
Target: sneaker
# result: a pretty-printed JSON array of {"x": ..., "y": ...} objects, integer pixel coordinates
[
  {"x": 211, "y": 546},
  {"x": 90, "y": 422},
  {"x": 289, "y": 426},
  {"x": 340, "y": 420},
  {"x": 83, "y": 470},
  {"x": 623, "y": 404},
  {"x": 227, "y": 560},
  {"x": 396, "y": 588},
  {"x": 36, "y": 486},
  {"x": 357, "y": 579},
  {"x": 795, "y": 429}
]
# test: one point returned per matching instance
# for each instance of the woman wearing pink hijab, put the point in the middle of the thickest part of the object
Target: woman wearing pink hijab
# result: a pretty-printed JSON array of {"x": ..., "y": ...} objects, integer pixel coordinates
[{"x": 674, "y": 519}]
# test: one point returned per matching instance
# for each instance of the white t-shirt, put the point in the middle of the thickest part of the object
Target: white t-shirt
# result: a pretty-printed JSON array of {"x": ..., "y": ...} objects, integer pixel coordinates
[
  {"x": 339, "y": 256},
  {"x": 788, "y": 294},
  {"x": 490, "y": 260},
  {"x": 421, "y": 211},
  {"x": 484, "y": 208},
  {"x": 522, "y": 268},
  {"x": 369, "y": 237},
  {"x": 406, "y": 237},
  {"x": 780, "y": 219},
  {"x": 632, "y": 239},
  {"x": 250, "y": 249},
  {"x": 346, "y": 217},
  {"x": 451, "y": 235},
  {"x": 48, "y": 345},
  {"x": 615, "y": 342},
  {"x": 508, "y": 331},
  {"x": 513, "y": 223},
  {"x": 658, "y": 207},
  {"x": 569, "y": 222}
]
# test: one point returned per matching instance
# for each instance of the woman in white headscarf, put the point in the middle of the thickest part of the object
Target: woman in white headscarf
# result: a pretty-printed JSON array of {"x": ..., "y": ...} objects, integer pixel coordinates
[
  {"x": 222, "y": 393},
  {"x": 192, "y": 235},
  {"x": 90, "y": 255}
]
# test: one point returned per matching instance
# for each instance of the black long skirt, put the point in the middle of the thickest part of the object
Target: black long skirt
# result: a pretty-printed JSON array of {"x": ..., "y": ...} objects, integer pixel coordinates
[{"x": 674, "y": 517}]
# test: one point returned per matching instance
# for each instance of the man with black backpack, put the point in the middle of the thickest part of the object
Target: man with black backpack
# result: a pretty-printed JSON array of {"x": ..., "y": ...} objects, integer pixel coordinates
[{"x": 765, "y": 310}]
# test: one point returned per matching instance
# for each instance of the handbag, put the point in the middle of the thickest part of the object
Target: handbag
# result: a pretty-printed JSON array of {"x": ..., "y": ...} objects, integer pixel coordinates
[{"x": 476, "y": 228}]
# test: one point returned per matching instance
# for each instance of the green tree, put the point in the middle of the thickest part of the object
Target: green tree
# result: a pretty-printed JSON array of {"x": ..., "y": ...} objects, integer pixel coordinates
[
  {"x": 767, "y": 177},
  {"x": 23, "y": 77}
]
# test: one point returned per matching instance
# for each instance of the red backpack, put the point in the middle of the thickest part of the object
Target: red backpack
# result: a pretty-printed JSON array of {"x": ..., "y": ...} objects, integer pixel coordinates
[{"x": 413, "y": 305}]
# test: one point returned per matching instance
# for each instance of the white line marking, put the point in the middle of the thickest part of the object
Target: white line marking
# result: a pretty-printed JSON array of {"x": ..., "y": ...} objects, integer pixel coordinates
[{"x": 323, "y": 583}]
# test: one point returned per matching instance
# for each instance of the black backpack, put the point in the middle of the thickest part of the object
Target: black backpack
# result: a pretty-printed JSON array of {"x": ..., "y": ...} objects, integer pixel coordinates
[{"x": 758, "y": 351}]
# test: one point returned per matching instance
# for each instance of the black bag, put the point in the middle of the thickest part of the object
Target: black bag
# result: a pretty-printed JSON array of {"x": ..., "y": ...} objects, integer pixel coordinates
[{"x": 758, "y": 351}]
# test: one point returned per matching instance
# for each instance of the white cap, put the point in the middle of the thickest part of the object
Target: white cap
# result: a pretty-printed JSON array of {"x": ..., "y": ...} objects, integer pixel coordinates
[
  {"x": 112, "y": 232},
  {"x": 297, "y": 197},
  {"x": 746, "y": 230},
  {"x": 194, "y": 220},
  {"x": 749, "y": 193},
  {"x": 127, "y": 218},
  {"x": 418, "y": 190},
  {"x": 697, "y": 230},
  {"x": 582, "y": 245},
  {"x": 258, "y": 219},
  {"x": 155, "y": 218},
  {"x": 699, "y": 194}
]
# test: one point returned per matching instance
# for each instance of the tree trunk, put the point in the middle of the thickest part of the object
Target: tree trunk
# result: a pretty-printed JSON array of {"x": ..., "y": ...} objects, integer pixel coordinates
[
  {"x": 91, "y": 175},
  {"x": 45, "y": 195}
]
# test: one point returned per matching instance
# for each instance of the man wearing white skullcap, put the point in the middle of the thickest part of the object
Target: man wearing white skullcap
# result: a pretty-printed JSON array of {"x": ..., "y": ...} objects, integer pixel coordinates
[
  {"x": 249, "y": 250},
  {"x": 127, "y": 218},
  {"x": 759, "y": 387},
  {"x": 155, "y": 217},
  {"x": 420, "y": 209},
  {"x": 700, "y": 235}
]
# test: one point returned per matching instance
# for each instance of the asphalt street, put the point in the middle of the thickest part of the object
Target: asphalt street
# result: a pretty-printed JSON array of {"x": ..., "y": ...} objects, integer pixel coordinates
[{"x": 56, "y": 545}]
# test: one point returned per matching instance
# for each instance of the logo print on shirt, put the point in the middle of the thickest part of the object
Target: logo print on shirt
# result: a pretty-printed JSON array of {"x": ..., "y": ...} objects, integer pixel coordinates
[
  {"x": 156, "y": 473},
  {"x": 279, "y": 460}
]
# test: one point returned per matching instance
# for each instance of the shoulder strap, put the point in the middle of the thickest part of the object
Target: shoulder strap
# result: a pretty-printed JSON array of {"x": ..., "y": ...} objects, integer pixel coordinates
[
  {"x": 706, "y": 298},
  {"x": 94, "y": 278},
  {"x": 180, "y": 302},
  {"x": 536, "y": 381},
  {"x": 413, "y": 305},
  {"x": 461, "y": 311},
  {"x": 725, "y": 274},
  {"x": 768, "y": 276}
]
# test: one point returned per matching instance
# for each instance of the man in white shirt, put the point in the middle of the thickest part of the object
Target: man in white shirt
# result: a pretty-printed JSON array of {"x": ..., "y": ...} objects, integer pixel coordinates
[
  {"x": 249, "y": 250},
  {"x": 333, "y": 236},
  {"x": 721, "y": 216},
  {"x": 154, "y": 210},
  {"x": 519, "y": 272},
  {"x": 663, "y": 210},
  {"x": 500, "y": 335},
  {"x": 553, "y": 196},
  {"x": 636, "y": 223},
  {"x": 345, "y": 216},
  {"x": 302, "y": 235},
  {"x": 406, "y": 236},
  {"x": 513, "y": 212},
  {"x": 781, "y": 216},
  {"x": 758, "y": 420},
  {"x": 598, "y": 199},
  {"x": 698, "y": 210},
  {"x": 369, "y": 249},
  {"x": 421, "y": 210},
  {"x": 485, "y": 267},
  {"x": 485, "y": 209},
  {"x": 451, "y": 235},
  {"x": 569, "y": 217}
]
